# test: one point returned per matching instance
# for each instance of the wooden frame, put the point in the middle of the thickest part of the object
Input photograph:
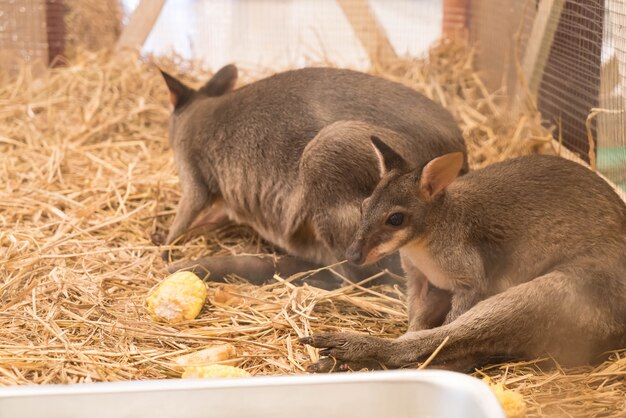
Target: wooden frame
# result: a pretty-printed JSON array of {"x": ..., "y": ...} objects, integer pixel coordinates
[
  {"x": 139, "y": 25},
  {"x": 368, "y": 30},
  {"x": 540, "y": 42}
]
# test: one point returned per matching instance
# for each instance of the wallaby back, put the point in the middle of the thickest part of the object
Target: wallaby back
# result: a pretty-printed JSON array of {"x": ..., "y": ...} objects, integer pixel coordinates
[{"x": 528, "y": 215}]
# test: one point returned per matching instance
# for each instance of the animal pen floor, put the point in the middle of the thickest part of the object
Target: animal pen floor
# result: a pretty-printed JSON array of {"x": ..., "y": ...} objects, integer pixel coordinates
[{"x": 86, "y": 176}]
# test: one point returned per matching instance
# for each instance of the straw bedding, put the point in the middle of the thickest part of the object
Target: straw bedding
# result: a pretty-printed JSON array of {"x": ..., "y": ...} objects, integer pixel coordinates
[
  {"x": 86, "y": 176},
  {"x": 91, "y": 25}
]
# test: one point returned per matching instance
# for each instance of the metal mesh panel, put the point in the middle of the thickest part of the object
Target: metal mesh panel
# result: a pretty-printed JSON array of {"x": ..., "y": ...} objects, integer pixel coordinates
[
  {"x": 582, "y": 85},
  {"x": 31, "y": 32},
  {"x": 611, "y": 121},
  {"x": 23, "y": 36},
  {"x": 571, "y": 80}
]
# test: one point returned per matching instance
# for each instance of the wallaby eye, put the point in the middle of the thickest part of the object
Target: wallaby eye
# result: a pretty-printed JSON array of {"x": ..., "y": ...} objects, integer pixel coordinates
[{"x": 395, "y": 219}]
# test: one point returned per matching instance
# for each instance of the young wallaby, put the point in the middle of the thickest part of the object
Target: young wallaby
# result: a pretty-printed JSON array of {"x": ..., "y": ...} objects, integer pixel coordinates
[
  {"x": 523, "y": 258},
  {"x": 290, "y": 156}
]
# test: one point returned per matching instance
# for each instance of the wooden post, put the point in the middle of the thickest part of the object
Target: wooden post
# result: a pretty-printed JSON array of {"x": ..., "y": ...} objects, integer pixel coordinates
[
  {"x": 139, "y": 25},
  {"x": 454, "y": 23},
  {"x": 493, "y": 26},
  {"x": 55, "y": 30},
  {"x": 369, "y": 31},
  {"x": 540, "y": 42}
]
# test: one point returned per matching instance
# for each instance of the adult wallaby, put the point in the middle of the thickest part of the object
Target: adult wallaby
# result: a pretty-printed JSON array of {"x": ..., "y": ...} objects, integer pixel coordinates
[
  {"x": 290, "y": 156},
  {"x": 523, "y": 258}
]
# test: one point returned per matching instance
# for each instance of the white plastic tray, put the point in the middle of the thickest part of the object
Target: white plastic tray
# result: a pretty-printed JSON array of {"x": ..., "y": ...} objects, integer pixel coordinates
[{"x": 390, "y": 394}]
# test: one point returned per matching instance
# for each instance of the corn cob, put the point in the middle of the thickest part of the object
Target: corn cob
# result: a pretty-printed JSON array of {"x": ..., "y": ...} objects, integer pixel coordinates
[
  {"x": 179, "y": 297},
  {"x": 213, "y": 371}
]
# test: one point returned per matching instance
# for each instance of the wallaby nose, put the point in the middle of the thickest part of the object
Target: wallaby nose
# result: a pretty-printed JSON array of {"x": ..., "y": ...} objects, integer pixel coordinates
[{"x": 354, "y": 253}]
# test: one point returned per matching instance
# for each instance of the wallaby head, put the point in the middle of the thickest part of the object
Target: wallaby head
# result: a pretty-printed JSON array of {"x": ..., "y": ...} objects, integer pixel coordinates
[
  {"x": 181, "y": 95},
  {"x": 394, "y": 214}
]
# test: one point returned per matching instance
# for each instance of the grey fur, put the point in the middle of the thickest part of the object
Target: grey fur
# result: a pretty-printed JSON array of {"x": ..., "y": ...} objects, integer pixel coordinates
[
  {"x": 528, "y": 257},
  {"x": 290, "y": 156}
]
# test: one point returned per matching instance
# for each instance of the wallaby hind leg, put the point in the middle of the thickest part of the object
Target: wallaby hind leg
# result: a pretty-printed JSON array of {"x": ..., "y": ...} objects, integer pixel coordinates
[{"x": 572, "y": 318}]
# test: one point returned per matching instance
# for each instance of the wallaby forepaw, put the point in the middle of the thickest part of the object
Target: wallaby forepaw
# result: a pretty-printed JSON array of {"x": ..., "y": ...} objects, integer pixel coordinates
[
  {"x": 347, "y": 347},
  {"x": 328, "y": 365}
]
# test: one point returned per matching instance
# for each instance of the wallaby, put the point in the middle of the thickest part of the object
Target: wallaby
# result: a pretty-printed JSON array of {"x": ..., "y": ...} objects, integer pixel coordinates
[
  {"x": 290, "y": 156},
  {"x": 520, "y": 259}
]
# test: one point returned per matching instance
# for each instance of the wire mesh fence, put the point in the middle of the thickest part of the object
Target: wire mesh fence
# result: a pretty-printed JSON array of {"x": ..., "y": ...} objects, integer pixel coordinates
[
  {"x": 23, "y": 37},
  {"x": 581, "y": 90},
  {"x": 581, "y": 52},
  {"x": 611, "y": 132}
]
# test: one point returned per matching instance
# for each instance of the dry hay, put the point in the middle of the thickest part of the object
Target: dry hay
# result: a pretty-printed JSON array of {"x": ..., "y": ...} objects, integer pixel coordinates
[
  {"x": 91, "y": 24},
  {"x": 86, "y": 176}
]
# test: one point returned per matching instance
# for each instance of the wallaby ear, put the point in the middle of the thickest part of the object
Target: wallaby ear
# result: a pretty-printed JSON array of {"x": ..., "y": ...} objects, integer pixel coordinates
[
  {"x": 221, "y": 83},
  {"x": 388, "y": 159},
  {"x": 439, "y": 173},
  {"x": 179, "y": 92}
]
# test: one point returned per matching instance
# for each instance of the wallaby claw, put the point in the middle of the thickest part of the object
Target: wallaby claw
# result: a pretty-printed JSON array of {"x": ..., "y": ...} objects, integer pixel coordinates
[
  {"x": 157, "y": 238},
  {"x": 332, "y": 365},
  {"x": 325, "y": 365},
  {"x": 346, "y": 347}
]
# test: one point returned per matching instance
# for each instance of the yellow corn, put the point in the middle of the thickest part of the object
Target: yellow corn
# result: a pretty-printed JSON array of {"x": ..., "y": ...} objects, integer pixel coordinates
[
  {"x": 512, "y": 402},
  {"x": 220, "y": 353},
  {"x": 213, "y": 371},
  {"x": 179, "y": 297}
]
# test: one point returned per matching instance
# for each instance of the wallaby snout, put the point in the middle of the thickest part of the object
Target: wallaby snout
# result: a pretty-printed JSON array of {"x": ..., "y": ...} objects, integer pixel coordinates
[
  {"x": 368, "y": 250},
  {"x": 355, "y": 253}
]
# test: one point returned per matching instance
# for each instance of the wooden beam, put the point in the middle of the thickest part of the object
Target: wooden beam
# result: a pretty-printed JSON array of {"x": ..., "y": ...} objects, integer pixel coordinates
[
  {"x": 454, "y": 25},
  {"x": 55, "y": 30},
  {"x": 368, "y": 30},
  {"x": 139, "y": 25},
  {"x": 540, "y": 42}
]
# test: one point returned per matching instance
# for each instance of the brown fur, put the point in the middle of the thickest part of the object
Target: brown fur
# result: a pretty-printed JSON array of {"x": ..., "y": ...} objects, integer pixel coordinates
[
  {"x": 290, "y": 155},
  {"x": 523, "y": 258}
]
